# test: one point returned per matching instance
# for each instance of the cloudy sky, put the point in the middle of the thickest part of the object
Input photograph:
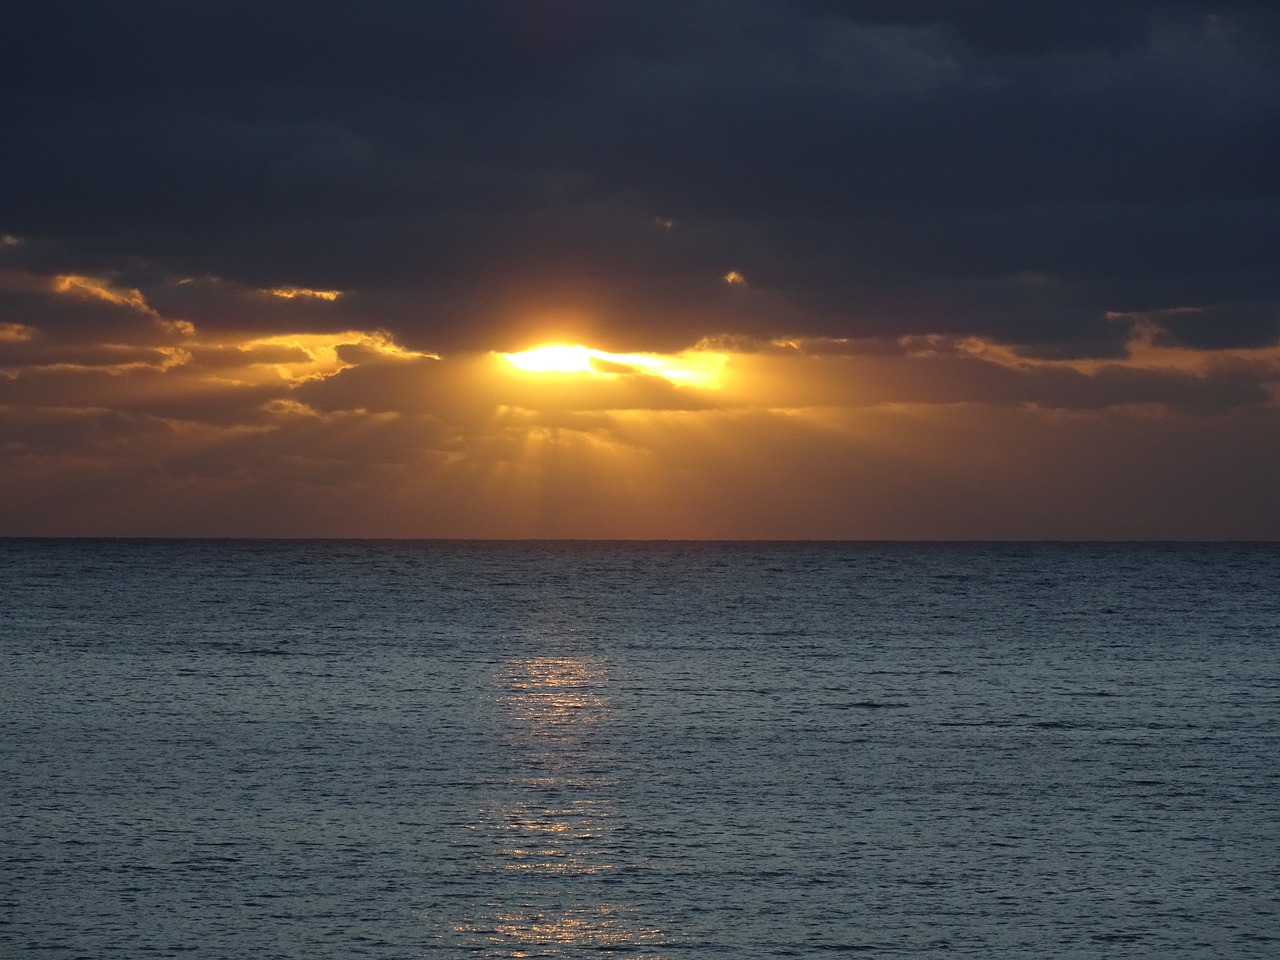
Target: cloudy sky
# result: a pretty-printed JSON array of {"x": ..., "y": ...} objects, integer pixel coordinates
[{"x": 864, "y": 269}]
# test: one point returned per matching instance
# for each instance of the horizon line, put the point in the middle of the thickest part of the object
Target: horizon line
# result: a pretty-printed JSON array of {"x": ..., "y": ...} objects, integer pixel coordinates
[{"x": 907, "y": 541}]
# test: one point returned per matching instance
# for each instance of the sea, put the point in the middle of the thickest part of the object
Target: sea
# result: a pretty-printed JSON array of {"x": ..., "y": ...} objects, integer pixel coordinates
[{"x": 399, "y": 749}]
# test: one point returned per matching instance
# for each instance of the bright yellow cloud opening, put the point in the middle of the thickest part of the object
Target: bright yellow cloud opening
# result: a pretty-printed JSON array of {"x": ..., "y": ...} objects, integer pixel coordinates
[
  {"x": 692, "y": 369},
  {"x": 552, "y": 359}
]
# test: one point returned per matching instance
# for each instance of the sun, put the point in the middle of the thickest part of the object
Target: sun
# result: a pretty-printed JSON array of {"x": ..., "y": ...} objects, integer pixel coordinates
[
  {"x": 552, "y": 359},
  {"x": 694, "y": 368}
]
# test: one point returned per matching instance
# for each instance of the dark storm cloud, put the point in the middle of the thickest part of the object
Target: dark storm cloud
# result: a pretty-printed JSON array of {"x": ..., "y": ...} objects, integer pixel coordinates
[
  {"x": 1018, "y": 171},
  {"x": 1244, "y": 324},
  {"x": 1010, "y": 28}
]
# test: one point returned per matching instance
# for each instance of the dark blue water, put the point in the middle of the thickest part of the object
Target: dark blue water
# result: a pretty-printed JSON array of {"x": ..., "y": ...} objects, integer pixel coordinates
[{"x": 393, "y": 750}]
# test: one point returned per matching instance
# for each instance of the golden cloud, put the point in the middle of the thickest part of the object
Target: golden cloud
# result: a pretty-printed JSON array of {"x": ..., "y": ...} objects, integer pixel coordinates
[
  {"x": 293, "y": 293},
  {"x": 99, "y": 289},
  {"x": 351, "y": 433},
  {"x": 16, "y": 333}
]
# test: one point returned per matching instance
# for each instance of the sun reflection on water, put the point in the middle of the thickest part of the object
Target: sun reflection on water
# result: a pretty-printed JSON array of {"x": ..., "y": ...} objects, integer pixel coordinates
[
  {"x": 550, "y": 692},
  {"x": 554, "y": 830},
  {"x": 571, "y": 839},
  {"x": 523, "y": 933}
]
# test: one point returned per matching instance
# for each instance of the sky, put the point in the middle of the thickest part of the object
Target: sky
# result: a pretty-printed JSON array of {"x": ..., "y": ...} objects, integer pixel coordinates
[{"x": 815, "y": 269}]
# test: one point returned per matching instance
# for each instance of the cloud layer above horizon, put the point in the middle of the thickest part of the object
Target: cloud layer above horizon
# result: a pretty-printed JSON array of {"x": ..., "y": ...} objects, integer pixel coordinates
[{"x": 963, "y": 269}]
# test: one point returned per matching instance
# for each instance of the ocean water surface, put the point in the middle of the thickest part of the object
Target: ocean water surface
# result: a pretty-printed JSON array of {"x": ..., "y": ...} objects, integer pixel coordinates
[{"x": 309, "y": 749}]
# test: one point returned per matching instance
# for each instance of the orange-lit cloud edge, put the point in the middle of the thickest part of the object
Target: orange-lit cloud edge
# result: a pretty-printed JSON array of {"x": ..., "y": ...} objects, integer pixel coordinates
[{"x": 146, "y": 424}]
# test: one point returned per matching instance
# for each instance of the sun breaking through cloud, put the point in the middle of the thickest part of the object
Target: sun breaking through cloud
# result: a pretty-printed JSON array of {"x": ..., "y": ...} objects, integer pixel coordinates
[
  {"x": 838, "y": 270},
  {"x": 691, "y": 368}
]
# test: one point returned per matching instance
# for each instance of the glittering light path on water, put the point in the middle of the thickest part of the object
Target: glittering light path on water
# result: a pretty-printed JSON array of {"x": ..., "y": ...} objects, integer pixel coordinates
[{"x": 554, "y": 827}]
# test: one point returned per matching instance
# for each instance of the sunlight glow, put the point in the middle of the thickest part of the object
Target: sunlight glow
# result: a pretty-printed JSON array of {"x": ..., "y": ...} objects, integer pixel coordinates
[
  {"x": 16, "y": 333},
  {"x": 292, "y": 293},
  {"x": 318, "y": 355},
  {"x": 692, "y": 368},
  {"x": 552, "y": 359},
  {"x": 98, "y": 289}
]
